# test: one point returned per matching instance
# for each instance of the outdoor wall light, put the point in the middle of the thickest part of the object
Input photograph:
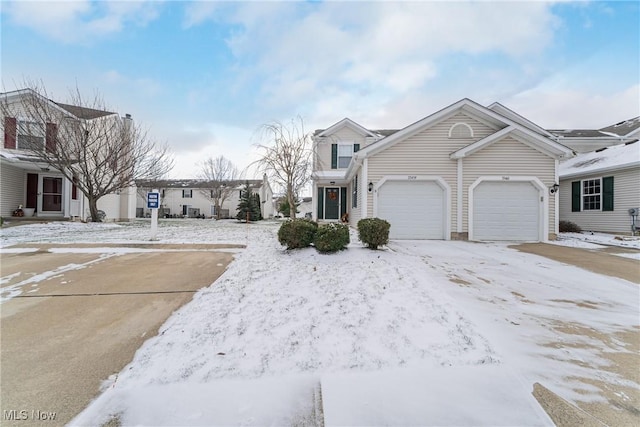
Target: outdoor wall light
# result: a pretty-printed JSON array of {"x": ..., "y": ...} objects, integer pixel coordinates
[
  {"x": 370, "y": 187},
  {"x": 554, "y": 188}
]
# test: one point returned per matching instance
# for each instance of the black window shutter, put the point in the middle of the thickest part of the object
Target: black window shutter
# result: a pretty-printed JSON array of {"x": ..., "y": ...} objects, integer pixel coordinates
[
  {"x": 607, "y": 193},
  {"x": 343, "y": 200},
  {"x": 320, "y": 202},
  {"x": 356, "y": 148},
  {"x": 575, "y": 196},
  {"x": 334, "y": 156}
]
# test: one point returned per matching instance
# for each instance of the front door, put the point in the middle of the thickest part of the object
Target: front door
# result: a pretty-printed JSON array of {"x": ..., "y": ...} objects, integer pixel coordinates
[
  {"x": 332, "y": 203},
  {"x": 50, "y": 201}
]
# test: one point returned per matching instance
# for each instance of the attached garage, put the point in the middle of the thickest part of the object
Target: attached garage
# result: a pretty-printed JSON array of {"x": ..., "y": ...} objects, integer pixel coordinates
[
  {"x": 506, "y": 210},
  {"x": 415, "y": 209}
]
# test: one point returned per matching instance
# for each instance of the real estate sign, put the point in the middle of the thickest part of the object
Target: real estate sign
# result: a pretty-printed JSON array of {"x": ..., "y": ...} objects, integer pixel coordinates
[{"x": 153, "y": 200}]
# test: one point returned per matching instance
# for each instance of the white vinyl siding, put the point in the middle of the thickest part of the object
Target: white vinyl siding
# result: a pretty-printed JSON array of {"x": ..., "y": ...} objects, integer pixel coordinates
[
  {"x": 428, "y": 153},
  {"x": 510, "y": 158},
  {"x": 14, "y": 187},
  {"x": 625, "y": 196}
]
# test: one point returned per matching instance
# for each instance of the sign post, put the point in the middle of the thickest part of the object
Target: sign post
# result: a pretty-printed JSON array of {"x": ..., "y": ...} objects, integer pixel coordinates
[{"x": 153, "y": 203}]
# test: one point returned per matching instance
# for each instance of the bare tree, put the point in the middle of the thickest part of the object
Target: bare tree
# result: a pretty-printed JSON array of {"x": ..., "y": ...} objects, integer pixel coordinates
[
  {"x": 220, "y": 176},
  {"x": 286, "y": 157},
  {"x": 98, "y": 150}
]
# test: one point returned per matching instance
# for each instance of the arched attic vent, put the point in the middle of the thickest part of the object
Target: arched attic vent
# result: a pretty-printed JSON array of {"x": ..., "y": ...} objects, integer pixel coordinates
[{"x": 460, "y": 130}]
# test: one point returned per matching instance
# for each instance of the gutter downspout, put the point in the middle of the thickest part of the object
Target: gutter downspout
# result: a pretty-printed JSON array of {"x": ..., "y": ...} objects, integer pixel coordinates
[
  {"x": 459, "y": 198},
  {"x": 364, "y": 189}
]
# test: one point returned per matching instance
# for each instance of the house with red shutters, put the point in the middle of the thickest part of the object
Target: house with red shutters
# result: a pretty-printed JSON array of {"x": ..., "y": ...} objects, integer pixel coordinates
[{"x": 33, "y": 185}]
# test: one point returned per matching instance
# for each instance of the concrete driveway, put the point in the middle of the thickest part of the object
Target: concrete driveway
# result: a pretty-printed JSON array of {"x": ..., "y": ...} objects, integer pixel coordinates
[{"x": 81, "y": 314}]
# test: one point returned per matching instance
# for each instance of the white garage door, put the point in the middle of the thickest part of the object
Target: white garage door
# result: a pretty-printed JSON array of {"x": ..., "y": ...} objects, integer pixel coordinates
[
  {"x": 506, "y": 211},
  {"x": 415, "y": 209}
]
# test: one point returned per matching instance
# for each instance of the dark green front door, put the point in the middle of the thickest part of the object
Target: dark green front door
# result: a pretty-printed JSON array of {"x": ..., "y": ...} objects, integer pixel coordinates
[{"x": 332, "y": 203}]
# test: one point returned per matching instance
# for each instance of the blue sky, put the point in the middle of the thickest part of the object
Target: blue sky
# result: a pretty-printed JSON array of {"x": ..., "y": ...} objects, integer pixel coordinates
[{"x": 203, "y": 76}]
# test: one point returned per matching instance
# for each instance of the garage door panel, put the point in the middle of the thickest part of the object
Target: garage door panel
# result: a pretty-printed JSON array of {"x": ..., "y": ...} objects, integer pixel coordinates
[
  {"x": 506, "y": 211},
  {"x": 415, "y": 209}
]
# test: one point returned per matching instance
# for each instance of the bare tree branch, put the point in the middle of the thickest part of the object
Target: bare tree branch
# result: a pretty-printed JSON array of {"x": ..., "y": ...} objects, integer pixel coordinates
[
  {"x": 97, "y": 149},
  {"x": 286, "y": 157},
  {"x": 220, "y": 174}
]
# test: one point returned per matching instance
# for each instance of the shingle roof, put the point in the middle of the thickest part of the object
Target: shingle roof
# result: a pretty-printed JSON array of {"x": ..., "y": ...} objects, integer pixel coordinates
[
  {"x": 617, "y": 130},
  {"x": 84, "y": 112}
]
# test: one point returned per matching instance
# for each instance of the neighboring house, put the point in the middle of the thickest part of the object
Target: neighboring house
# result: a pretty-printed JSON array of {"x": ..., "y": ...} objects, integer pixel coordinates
[
  {"x": 40, "y": 190},
  {"x": 587, "y": 140},
  {"x": 464, "y": 172},
  {"x": 597, "y": 189},
  {"x": 191, "y": 197}
]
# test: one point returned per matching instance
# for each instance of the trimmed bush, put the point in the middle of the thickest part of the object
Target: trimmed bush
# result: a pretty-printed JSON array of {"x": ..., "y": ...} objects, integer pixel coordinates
[
  {"x": 331, "y": 237},
  {"x": 297, "y": 233},
  {"x": 373, "y": 232},
  {"x": 569, "y": 227}
]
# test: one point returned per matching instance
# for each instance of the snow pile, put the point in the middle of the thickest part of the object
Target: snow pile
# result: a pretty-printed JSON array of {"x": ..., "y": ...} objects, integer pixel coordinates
[
  {"x": 593, "y": 240},
  {"x": 615, "y": 156}
]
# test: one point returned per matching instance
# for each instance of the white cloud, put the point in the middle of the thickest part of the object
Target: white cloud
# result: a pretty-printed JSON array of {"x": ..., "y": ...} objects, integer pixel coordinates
[
  {"x": 79, "y": 21},
  {"x": 562, "y": 109},
  {"x": 297, "y": 54}
]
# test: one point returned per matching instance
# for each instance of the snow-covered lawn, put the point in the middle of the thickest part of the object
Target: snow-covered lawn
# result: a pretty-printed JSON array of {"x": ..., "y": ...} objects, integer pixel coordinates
[{"x": 398, "y": 336}]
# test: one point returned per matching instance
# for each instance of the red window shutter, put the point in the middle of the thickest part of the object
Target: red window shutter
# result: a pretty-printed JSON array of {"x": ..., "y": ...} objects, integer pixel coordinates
[
  {"x": 10, "y": 131},
  {"x": 51, "y": 136}
]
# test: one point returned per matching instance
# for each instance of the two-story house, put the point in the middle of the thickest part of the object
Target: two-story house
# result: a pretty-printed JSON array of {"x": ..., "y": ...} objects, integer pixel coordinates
[
  {"x": 27, "y": 181},
  {"x": 192, "y": 198},
  {"x": 464, "y": 172}
]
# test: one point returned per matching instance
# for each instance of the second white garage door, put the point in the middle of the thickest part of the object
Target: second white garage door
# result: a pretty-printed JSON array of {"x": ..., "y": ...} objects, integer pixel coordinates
[
  {"x": 415, "y": 209},
  {"x": 506, "y": 211}
]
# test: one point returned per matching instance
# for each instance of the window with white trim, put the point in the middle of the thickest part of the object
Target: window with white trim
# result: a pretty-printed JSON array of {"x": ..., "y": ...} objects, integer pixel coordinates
[
  {"x": 591, "y": 194},
  {"x": 30, "y": 135},
  {"x": 345, "y": 153},
  {"x": 187, "y": 194}
]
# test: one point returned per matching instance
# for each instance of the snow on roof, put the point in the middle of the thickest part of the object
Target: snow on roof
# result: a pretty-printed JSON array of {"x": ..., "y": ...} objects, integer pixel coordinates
[{"x": 614, "y": 157}]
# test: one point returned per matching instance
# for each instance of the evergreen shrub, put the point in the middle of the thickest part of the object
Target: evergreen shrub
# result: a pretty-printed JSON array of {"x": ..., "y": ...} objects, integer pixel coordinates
[
  {"x": 569, "y": 227},
  {"x": 331, "y": 237},
  {"x": 373, "y": 232},
  {"x": 297, "y": 233}
]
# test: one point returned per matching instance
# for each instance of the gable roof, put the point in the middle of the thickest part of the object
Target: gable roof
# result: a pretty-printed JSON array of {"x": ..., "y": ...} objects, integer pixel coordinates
[
  {"x": 346, "y": 122},
  {"x": 524, "y": 135},
  {"x": 612, "y": 158},
  {"x": 476, "y": 111}
]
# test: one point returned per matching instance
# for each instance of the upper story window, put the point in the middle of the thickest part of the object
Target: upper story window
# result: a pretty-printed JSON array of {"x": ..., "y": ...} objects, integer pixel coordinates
[
  {"x": 30, "y": 135},
  {"x": 187, "y": 194},
  {"x": 341, "y": 155},
  {"x": 345, "y": 153}
]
